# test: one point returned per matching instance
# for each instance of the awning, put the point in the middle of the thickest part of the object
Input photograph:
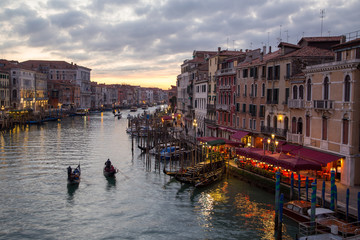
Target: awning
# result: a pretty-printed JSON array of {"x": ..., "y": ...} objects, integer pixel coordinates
[
  {"x": 216, "y": 142},
  {"x": 239, "y": 135},
  {"x": 315, "y": 155},
  {"x": 206, "y": 139},
  {"x": 298, "y": 164},
  {"x": 211, "y": 127},
  {"x": 288, "y": 148}
]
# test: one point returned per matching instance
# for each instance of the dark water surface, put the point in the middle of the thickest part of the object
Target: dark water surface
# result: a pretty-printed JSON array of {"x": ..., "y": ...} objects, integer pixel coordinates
[{"x": 141, "y": 203}]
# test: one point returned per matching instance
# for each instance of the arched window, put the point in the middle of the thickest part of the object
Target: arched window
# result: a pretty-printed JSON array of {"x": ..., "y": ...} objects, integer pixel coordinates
[
  {"x": 347, "y": 89},
  {"x": 308, "y": 93},
  {"x": 299, "y": 126},
  {"x": 326, "y": 88},
  {"x": 14, "y": 94},
  {"x": 245, "y": 90},
  {"x": 229, "y": 96},
  {"x": 252, "y": 90},
  {"x": 14, "y": 81},
  {"x": 286, "y": 123},
  {"x": 293, "y": 125},
  {"x": 275, "y": 122},
  {"x": 308, "y": 125},
  {"x": 268, "y": 121},
  {"x": 295, "y": 92},
  {"x": 301, "y": 92}
]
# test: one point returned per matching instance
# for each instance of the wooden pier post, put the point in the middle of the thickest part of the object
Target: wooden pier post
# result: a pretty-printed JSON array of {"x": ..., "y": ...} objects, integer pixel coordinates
[
  {"x": 307, "y": 188},
  {"x": 279, "y": 233},
  {"x": 313, "y": 203},
  {"x": 292, "y": 186},
  {"x": 347, "y": 203},
  {"x": 277, "y": 194},
  {"x": 332, "y": 200},
  {"x": 299, "y": 186},
  {"x": 323, "y": 195}
]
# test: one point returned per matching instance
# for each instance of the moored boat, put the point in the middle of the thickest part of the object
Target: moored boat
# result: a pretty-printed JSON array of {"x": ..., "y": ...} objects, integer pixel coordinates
[
  {"x": 297, "y": 210},
  {"x": 74, "y": 176},
  {"x": 133, "y": 109}
]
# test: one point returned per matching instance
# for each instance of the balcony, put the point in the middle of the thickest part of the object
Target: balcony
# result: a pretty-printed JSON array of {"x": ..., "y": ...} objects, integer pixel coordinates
[
  {"x": 211, "y": 107},
  {"x": 209, "y": 121},
  {"x": 296, "y": 103},
  {"x": 295, "y": 138},
  {"x": 227, "y": 87},
  {"x": 222, "y": 107},
  {"x": 277, "y": 131},
  {"x": 324, "y": 104}
]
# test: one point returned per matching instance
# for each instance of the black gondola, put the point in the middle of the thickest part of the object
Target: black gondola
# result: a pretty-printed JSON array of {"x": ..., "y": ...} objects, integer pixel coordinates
[{"x": 74, "y": 176}]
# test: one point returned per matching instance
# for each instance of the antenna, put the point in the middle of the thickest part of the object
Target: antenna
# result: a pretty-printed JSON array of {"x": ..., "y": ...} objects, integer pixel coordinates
[
  {"x": 280, "y": 33},
  {"x": 250, "y": 45},
  {"x": 268, "y": 38},
  {"x": 322, "y": 15},
  {"x": 287, "y": 35}
]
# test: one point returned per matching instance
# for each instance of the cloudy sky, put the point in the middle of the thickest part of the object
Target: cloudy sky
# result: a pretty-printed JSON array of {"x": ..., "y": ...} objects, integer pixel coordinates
[{"x": 144, "y": 42}]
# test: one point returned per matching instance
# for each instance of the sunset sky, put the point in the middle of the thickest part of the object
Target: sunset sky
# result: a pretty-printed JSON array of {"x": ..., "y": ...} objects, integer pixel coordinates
[{"x": 144, "y": 42}]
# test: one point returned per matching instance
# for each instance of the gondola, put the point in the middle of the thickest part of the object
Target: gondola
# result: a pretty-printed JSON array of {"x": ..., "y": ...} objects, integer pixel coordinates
[
  {"x": 110, "y": 171},
  {"x": 74, "y": 176}
]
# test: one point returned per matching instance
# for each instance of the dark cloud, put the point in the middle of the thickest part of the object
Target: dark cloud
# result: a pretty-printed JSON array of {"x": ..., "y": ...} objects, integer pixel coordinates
[{"x": 135, "y": 35}]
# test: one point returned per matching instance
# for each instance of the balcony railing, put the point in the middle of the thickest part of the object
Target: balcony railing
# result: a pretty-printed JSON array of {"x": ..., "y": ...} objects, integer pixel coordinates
[
  {"x": 223, "y": 107},
  {"x": 324, "y": 104},
  {"x": 295, "y": 138},
  {"x": 225, "y": 87},
  {"x": 277, "y": 131},
  {"x": 211, "y": 107},
  {"x": 296, "y": 103}
]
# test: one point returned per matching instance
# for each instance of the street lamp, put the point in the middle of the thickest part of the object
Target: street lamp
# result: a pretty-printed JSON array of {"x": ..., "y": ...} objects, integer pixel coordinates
[{"x": 195, "y": 126}]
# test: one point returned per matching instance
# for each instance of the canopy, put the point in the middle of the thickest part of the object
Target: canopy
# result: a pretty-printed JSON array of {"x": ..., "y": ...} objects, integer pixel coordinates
[
  {"x": 216, "y": 142},
  {"x": 314, "y": 155},
  {"x": 239, "y": 135}
]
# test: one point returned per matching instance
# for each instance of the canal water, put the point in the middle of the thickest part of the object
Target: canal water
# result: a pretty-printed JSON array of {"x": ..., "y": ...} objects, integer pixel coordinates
[{"x": 142, "y": 203}]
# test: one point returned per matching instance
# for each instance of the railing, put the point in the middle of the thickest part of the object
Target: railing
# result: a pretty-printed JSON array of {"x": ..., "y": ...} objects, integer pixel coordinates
[
  {"x": 222, "y": 107},
  {"x": 295, "y": 138},
  {"x": 225, "y": 87},
  {"x": 277, "y": 131},
  {"x": 211, "y": 107},
  {"x": 323, "y": 104},
  {"x": 296, "y": 103}
]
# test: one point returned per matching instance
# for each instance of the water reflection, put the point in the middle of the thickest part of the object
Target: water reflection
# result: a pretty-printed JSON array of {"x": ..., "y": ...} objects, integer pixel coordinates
[
  {"x": 71, "y": 189},
  {"x": 111, "y": 183}
]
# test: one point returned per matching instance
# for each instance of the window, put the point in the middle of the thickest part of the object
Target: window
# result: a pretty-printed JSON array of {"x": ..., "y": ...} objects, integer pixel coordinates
[
  {"x": 299, "y": 126},
  {"x": 268, "y": 121},
  {"x": 270, "y": 73},
  {"x": 262, "y": 111},
  {"x": 307, "y": 125},
  {"x": 238, "y": 107},
  {"x": 301, "y": 92},
  {"x": 293, "y": 125},
  {"x": 357, "y": 53},
  {"x": 338, "y": 56},
  {"x": 345, "y": 139},
  {"x": 275, "y": 122},
  {"x": 250, "y": 123},
  {"x": 245, "y": 73},
  {"x": 244, "y": 108},
  {"x": 238, "y": 122},
  {"x": 277, "y": 73},
  {"x": 255, "y": 90},
  {"x": 347, "y": 89},
  {"x": 238, "y": 90},
  {"x": 252, "y": 90},
  {"x": 263, "y": 90},
  {"x": 245, "y": 90},
  {"x": 244, "y": 123},
  {"x": 254, "y": 124},
  {"x": 288, "y": 70},
  {"x": 276, "y": 96},
  {"x": 287, "y": 93},
  {"x": 326, "y": 88},
  {"x": 251, "y": 72},
  {"x": 263, "y": 71},
  {"x": 269, "y": 96},
  {"x": 324, "y": 128},
  {"x": 295, "y": 92},
  {"x": 308, "y": 93}
]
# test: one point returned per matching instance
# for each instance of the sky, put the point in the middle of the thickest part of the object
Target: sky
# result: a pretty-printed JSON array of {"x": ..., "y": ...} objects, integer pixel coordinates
[{"x": 144, "y": 42}]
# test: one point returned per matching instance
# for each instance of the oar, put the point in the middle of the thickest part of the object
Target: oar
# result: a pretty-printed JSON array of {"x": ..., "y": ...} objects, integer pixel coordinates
[{"x": 123, "y": 174}]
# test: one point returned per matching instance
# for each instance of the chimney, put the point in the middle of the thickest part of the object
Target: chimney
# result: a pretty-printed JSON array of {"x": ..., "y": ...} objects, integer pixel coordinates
[
  {"x": 262, "y": 56},
  {"x": 219, "y": 49},
  {"x": 264, "y": 50},
  {"x": 269, "y": 49}
]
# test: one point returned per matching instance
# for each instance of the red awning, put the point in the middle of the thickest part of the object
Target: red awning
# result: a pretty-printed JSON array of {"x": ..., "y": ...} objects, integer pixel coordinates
[
  {"x": 298, "y": 164},
  {"x": 211, "y": 127},
  {"x": 239, "y": 135},
  {"x": 315, "y": 155},
  {"x": 206, "y": 139},
  {"x": 287, "y": 148}
]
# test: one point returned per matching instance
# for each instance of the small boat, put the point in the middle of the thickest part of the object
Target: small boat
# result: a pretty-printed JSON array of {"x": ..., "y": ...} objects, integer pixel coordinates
[
  {"x": 81, "y": 112},
  {"x": 109, "y": 169},
  {"x": 133, "y": 109},
  {"x": 117, "y": 114},
  {"x": 297, "y": 210},
  {"x": 74, "y": 176},
  {"x": 144, "y": 107},
  {"x": 110, "y": 172},
  {"x": 129, "y": 116}
]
